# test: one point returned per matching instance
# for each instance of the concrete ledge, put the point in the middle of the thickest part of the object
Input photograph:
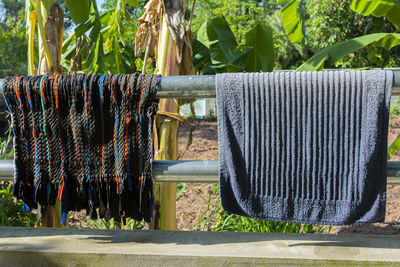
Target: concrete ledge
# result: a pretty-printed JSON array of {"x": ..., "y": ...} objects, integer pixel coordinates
[{"x": 84, "y": 247}]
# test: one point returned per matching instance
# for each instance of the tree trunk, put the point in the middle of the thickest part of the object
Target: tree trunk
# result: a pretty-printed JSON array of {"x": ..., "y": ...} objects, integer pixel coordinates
[
  {"x": 54, "y": 29},
  {"x": 174, "y": 57},
  {"x": 165, "y": 193}
]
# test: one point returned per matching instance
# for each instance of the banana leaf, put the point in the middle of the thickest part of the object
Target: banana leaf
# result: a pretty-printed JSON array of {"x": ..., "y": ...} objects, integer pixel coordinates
[
  {"x": 379, "y": 8},
  {"x": 336, "y": 52},
  {"x": 261, "y": 56},
  {"x": 78, "y": 9}
]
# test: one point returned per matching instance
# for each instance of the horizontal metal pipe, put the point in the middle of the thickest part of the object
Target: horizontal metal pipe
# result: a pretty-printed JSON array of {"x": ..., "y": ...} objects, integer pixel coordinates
[
  {"x": 203, "y": 86},
  {"x": 192, "y": 171},
  {"x": 190, "y": 86},
  {"x": 6, "y": 169},
  {"x": 196, "y": 171},
  {"x": 199, "y": 171}
]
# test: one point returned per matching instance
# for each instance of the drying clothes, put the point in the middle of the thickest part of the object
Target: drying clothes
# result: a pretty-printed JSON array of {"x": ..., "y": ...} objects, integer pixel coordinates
[
  {"x": 305, "y": 147},
  {"x": 84, "y": 140}
]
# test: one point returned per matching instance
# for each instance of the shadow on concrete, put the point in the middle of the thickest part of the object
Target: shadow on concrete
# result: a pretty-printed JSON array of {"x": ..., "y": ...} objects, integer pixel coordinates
[
  {"x": 186, "y": 238},
  {"x": 209, "y": 238}
]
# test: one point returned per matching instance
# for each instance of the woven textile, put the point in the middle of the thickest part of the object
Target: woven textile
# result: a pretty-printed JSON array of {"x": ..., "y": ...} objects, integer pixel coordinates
[{"x": 85, "y": 140}]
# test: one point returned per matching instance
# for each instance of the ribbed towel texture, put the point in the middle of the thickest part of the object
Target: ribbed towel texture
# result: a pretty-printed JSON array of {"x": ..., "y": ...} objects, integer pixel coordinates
[{"x": 307, "y": 147}]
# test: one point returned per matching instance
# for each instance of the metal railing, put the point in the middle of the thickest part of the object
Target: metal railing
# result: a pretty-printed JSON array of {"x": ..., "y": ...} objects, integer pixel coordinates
[{"x": 196, "y": 170}]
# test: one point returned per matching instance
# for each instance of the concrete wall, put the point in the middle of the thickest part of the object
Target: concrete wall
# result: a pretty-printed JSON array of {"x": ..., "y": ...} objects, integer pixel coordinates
[{"x": 75, "y": 247}]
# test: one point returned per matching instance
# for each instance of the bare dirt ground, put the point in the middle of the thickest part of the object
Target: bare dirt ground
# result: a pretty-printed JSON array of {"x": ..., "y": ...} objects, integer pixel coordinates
[
  {"x": 204, "y": 147},
  {"x": 189, "y": 204}
]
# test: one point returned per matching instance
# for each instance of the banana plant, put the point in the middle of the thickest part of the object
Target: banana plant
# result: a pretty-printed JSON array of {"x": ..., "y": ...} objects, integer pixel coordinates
[
  {"x": 162, "y": 32},
  {"x": 98, "y": 41},
  {"x": 87, "y": 42},
  {"x": 216, "y": 50},
  {"x": 48, "y": 16},
  {"x": 389, "y": 9},
  {"x": 294, "y": 15},
  {"x": 384, "y": 41},
  {"x": 336, "y": 52}
]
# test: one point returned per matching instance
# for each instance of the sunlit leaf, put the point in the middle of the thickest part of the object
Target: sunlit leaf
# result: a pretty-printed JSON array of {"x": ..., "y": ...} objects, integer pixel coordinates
[
  {"x": 261, "y": 57},
  {"x": 218, "y": 37},
  {"x": 117, "y": 57},
  {"x": 82, "y": 28},
  {"x": 216, "y": 49},
  {"x": 292, "y": 21},
  {"x": 180, "y": 187},
  {"x": 379, "y": 8},
  {"x": 394, "y": 148},
  {"x": 78, "y": 9},
  {"x": 342, "y": 49},
  {"x": 31, "y": 38},
  {"x": 201, "y": 55},
  {"x": 132, "y": 3}
]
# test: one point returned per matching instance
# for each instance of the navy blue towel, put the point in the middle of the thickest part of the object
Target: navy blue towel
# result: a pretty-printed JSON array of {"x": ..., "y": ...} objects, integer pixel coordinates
[{"x": 307, "y": 147}]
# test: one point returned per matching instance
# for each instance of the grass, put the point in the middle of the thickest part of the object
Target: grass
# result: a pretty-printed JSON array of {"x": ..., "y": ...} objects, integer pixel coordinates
[
  {"x": 395, "y": 107},
  {"x": 212, "y": 218},
  {"x": 129, "y": 224},
  {"x": 394, "y": 147}
]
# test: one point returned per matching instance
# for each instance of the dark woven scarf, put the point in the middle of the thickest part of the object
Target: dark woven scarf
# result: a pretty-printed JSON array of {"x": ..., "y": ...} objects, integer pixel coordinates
[{"x": 84, "y": 140}]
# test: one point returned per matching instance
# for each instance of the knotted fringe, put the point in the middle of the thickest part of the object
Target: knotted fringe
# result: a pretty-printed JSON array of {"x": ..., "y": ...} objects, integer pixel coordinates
[{"x": 85, "y": 140}]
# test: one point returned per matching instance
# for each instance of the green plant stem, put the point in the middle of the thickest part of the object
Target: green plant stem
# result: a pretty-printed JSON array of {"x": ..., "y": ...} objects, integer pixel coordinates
[{"x": 42, "y": 33}]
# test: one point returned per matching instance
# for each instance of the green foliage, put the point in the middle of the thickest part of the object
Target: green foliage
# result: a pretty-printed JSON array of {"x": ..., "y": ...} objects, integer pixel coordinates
[
  {"x": 240, "y": 15},
  {"x": 217, "y": 50},
  {"x": 13, "y": 43},
  {"x": 394, "y": 148},
  {"x": 99, "y": 223},
  {"x": 5, "y": 152},
  {"x": 236, "y": 223},
  {"x": 106, "y": 36},
  {"x": 326, "y": 28},
  {"x": 288, "y": 55},
  {"x": 132, "y": 3},
  {"x": 260, "y": 42},
  {"x": 213, "y": 218},
  {"x": 210, "y": 116},
  {"x": 379, "y": 8},
  {"x": 11, "y": 211},
  {"x": 243, "y": 16},
  {"x": 326, "y": 23},
  {"x": 217, "y": 36},
  {"x": 336, "y": 52},
  {"x": 331, "y": 22},
  {"x": 180, "y": 187},
  {"x": 395, "y": 107},
  {"x": 78, "y": 9},
  {"x": 294, "y": 15}
]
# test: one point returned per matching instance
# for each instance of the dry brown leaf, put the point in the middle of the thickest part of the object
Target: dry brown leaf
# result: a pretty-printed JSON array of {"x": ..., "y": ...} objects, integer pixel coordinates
[
  {"x": 175, "y": 18},
  {"x": 148, "y": 27},
  {"x": 187, "y": 64}
]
